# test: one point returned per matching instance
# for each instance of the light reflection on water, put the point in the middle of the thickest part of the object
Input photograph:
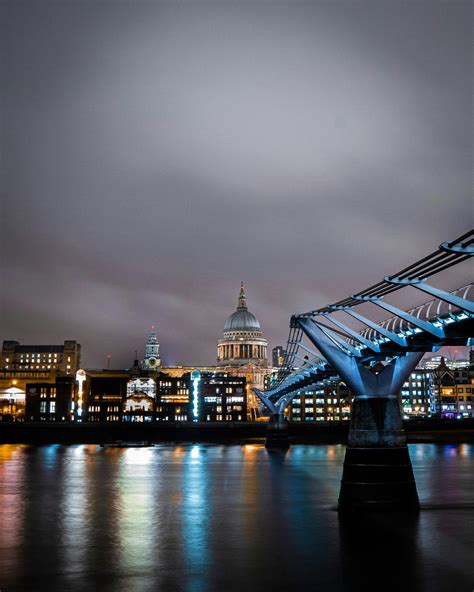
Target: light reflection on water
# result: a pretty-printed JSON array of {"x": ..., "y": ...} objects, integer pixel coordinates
[{"x": 204, "y": 517}]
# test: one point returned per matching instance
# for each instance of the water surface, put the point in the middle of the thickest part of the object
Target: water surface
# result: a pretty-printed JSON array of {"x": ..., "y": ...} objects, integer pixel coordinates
[{"x": 204, "y": 518}]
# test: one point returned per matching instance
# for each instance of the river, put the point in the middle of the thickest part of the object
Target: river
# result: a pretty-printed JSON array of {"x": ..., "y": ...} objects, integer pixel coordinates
[{"x": 205, "y": 518}]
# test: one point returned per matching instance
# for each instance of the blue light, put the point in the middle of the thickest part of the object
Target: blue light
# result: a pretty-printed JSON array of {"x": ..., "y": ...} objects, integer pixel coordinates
[{"x": 195, "y": 377}]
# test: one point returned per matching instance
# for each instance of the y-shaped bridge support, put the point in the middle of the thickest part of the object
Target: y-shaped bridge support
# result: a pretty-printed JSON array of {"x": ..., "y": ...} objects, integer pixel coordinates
[
  {"x": 377, "y": 467},
  {"x": 277, "y": 431}
]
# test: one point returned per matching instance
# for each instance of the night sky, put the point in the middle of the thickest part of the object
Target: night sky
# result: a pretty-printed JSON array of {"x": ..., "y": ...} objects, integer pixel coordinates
[{"x": 156, "y": 154}]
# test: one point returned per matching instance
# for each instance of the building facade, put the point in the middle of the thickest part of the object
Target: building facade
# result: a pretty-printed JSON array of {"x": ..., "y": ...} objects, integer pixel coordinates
[
  {"x": 181, "y": 396},
  {"x": 22, "y": 365},
  {"x": 65, "y": 358},
  {"x": 453, "y": 390},
  {"x": 417, "y": 395},
  {"x": 278, "y": 356},
  {"x": 332, "y": 402},
  {"x": 242, "y": 351},
  {"x": 47, "y": 401},
  {"x": 222, "y": 398},
  {"x": 105, "y": 395}
]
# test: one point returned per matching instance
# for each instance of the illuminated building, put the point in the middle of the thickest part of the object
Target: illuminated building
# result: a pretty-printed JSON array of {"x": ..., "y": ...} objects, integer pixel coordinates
[
  {"x": 46, "y": 401},
  {"x": 417, "y": 395},
  {"x": 454, "y": 393},
  {"x": 106, "y": 393},
  {"x": 139, "y": 405},
  {"x": 198, "y": 396},
  {"x": 330, "y": 402},
  {"x": 278, "y": 356},
  {"x": 120, "y": 395},
  {"x": 223, "y": 398},
  {"x": 152, "y": 359},
  {"x": 242, "y": 351},
  {"x": 29, "y": 364},
  {"x": 333, "y": 402},
  {"x": 465, "y": 400},
  {"x": 65, "y": 359},
  {"x": 433, "y": 362},
  {"x": 173, "y": 397}
]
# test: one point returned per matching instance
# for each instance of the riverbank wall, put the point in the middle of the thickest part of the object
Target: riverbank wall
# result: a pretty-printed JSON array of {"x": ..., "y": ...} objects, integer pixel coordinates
[{"x": 243, "y": 432}]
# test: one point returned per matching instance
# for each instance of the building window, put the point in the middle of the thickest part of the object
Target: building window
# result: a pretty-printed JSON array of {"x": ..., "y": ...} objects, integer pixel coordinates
[
  {"x": 52, "y": 407},
  {"x": 43, "y": 407}
]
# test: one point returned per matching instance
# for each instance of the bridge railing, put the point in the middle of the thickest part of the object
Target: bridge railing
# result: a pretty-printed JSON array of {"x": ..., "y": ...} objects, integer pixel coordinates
[{"x": 430, "y": 311}]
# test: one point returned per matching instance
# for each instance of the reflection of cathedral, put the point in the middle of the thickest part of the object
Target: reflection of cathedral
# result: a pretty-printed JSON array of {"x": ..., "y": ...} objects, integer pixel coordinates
[
  {"x": 242, "y": 351},
  {"x": 152, "y": 352}
]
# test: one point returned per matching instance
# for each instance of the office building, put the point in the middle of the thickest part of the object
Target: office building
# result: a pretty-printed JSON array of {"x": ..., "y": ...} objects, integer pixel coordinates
[{"x": 278, "y": 356}]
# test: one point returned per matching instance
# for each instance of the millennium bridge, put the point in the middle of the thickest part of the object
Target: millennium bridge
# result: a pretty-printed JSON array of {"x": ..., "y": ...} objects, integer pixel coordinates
[{"x": 374, "y": 359}]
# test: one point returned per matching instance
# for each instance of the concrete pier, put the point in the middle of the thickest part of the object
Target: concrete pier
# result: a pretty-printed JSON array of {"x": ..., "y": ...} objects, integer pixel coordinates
[
  {"x": 277, "y": 432},
  {"x": 377, "y": 468}
]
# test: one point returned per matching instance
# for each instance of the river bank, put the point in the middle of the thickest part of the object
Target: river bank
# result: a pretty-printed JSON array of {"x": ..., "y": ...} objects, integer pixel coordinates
[{"x": 303, "y": 433}]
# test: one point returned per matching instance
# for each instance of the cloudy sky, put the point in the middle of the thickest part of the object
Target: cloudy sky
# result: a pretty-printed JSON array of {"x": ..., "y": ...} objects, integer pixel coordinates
[{"x": 155, "y": 154}]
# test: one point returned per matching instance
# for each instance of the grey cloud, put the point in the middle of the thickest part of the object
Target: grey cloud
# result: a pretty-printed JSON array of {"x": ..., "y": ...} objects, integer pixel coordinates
[{"x": 155, "y": 154}]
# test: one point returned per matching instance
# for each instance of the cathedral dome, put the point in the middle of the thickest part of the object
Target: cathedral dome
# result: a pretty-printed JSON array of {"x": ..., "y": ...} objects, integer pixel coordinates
[
  {"x": 242, "y": 319},
  {"x": 242, "y": 341}
]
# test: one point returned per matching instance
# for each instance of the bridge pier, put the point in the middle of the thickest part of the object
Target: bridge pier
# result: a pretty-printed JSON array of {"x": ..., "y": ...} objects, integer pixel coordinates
[
  {"x": 277, "y": 432},
  {"x": 377, "y": 470}
]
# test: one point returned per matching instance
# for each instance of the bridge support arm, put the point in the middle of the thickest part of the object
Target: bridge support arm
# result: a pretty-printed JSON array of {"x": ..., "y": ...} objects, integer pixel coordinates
[{"x": 265, "y": 400}]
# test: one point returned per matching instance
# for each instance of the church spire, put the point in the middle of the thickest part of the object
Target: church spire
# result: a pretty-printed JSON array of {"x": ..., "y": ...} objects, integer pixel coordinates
[{"x": 242, "y": 298}]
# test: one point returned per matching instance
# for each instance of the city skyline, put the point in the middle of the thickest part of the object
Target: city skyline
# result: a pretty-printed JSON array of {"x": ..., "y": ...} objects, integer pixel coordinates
[
  {"x": 237, "y": 303},
  {"x": 155, "y": 155}
]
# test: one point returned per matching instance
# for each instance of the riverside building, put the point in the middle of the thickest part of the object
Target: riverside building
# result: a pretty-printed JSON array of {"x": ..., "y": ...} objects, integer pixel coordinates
[
  {"x": 137, "y": 395},
  {"x": 417, "y": 395},
  {"x": 322, "y": 403},
  {"x": 22, "y": 365},
  {"x": 65, "y": 358},
  {"x": 47, "y": 401},
  {"x": 196, "y": 396}
]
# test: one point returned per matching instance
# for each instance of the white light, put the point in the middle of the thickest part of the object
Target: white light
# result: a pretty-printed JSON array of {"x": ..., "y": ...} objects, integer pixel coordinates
[{"x": 196, "y": 377}]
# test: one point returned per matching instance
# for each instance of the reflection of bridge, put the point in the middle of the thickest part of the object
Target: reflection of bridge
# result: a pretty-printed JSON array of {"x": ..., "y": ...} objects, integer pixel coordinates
[{"x": 374, "y": 359}]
